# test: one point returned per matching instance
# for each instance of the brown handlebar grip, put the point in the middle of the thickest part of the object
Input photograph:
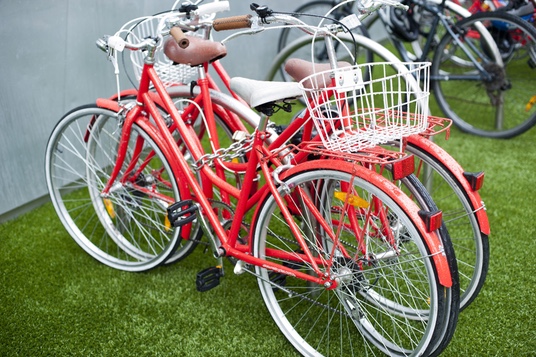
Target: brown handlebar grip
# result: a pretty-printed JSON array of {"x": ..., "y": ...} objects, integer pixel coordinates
[
  {"x": 232, "y": 23},
  {"x": 180, "y": 37}
]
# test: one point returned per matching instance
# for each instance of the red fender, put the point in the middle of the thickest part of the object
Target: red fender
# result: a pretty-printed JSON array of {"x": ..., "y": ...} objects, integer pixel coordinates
[
  {"x": 410, "y": 208},
  {"x": 132, "y": 92},
  {"x": 454, "y": 167},
  {"x": 151, "y": 130},
  {"x": 113, "y": 105},
  {"x": 108, "y": 104}
]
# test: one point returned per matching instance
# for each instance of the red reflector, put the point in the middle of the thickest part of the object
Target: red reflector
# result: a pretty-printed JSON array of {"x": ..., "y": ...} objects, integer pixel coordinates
[
  {"x": 432, "y": 220},
  {"x": 403, "y": 167},
  {"x": 475, "y": 179}
]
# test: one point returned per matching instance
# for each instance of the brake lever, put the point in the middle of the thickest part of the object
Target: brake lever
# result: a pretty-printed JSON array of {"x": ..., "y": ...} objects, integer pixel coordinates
[{"x": 262, "y": 11}]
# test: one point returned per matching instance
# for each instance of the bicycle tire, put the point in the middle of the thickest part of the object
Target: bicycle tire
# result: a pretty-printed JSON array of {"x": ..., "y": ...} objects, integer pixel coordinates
[
  {"x": 285, "y": 297},
  {"x": 126, "y": 230},
  {"x": 424, "y": 200},
  {"x": 495, "y": 109}
]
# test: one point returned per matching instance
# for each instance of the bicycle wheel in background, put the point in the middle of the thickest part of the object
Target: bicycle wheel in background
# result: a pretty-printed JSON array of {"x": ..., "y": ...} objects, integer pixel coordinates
[
  {"x": 313, "y": 13},
  {"x": 126, "y": 229},
  {"x": 388, "y": 300},
  {"x": 497, "y": 107}
]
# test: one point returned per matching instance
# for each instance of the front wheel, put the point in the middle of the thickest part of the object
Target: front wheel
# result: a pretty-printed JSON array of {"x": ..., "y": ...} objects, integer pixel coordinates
[
  {"x": 388, "y": 299},
  {"x": 493, "y": 100}
]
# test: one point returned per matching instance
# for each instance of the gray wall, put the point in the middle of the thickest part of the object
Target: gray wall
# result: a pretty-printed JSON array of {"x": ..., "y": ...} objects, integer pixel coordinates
[{"x": 49, "y": 65}]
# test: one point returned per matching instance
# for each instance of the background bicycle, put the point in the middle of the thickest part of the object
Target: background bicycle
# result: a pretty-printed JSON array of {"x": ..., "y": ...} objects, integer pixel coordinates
[{"x": 500, "y": 92}]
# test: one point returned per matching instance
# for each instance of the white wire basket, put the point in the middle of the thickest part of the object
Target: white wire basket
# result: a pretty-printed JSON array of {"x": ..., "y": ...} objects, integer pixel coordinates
[
  {"x": 169, "y": 72},
  {"x": 358, "y": 107}
]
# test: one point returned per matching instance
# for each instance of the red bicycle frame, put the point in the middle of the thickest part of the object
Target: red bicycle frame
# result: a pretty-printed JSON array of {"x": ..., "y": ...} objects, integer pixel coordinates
[{"x": 249, "y": 195}]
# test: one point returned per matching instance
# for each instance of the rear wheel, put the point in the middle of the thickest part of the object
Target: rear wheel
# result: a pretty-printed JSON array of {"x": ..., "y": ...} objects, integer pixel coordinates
[{"x": 459, "y": 216}]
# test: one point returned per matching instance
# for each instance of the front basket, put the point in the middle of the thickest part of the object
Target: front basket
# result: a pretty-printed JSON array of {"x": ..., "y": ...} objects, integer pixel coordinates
[{"x": 365, "y": 105}]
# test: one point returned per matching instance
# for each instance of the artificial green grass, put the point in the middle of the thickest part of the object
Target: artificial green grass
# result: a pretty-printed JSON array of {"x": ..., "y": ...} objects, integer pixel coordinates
[{"x": 56, "y": 300}]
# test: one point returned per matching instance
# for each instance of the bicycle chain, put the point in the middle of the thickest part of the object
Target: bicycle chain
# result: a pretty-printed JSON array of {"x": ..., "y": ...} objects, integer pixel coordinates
[{"x": 235, "y": 150}]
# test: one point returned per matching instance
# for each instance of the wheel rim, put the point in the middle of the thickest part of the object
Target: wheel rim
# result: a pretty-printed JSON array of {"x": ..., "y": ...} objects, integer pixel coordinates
[{"x": 285, "y": 299}]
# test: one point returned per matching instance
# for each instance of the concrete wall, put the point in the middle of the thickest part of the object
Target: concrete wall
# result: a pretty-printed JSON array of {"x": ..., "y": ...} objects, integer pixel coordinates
[{"x": 49, "y": 64}]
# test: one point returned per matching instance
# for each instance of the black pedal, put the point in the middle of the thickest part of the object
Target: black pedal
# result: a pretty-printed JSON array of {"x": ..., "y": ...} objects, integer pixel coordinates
[
  {"x": 208, "y": 278},
  {"x": 277, "y": 279},
  {"x": 181, "y": 213}
]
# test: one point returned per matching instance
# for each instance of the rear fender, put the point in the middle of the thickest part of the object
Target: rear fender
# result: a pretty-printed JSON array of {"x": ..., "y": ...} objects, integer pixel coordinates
[{"x": 457, "y": 171}]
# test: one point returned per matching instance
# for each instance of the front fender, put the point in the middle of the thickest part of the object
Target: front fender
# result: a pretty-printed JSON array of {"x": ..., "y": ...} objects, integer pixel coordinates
[
  {"x": 108, "y": 104},
  {"x": 114, "y": 106}
]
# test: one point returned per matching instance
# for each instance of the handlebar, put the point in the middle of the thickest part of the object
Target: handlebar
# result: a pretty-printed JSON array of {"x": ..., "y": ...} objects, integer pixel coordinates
[
  {"x": 266, "y": 15},
  {"x": 249, "y": 21},
  {"x": 180, "y": 37},
  {"x": 232, "y": 23},
  {"x": 175, "y": 23},
  {"x": 119, "y": 44}
]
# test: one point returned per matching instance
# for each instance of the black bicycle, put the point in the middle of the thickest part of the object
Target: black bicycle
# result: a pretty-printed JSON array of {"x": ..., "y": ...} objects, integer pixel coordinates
[{"x": 483, "y": 73}]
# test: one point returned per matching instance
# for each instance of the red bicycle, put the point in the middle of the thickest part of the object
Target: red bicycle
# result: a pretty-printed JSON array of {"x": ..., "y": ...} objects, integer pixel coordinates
[
  {"x": 454, "y": 189},
  {"x": 334, "y": 240}
]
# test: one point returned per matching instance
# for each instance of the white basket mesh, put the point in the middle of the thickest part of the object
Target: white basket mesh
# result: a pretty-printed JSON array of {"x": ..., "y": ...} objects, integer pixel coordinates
[
  {"x": 169, "y": 73},
  {"x": 362, "y": 106}
]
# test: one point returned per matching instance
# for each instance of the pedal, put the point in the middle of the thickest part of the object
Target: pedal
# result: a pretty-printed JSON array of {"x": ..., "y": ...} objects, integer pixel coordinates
[
  {"x": 277, "y": 279},
  {"x": 182, "y": 212},
  {"x": 208, "y": 278}
]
